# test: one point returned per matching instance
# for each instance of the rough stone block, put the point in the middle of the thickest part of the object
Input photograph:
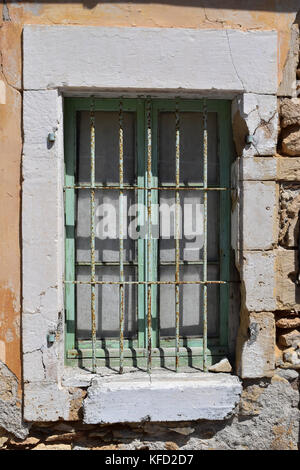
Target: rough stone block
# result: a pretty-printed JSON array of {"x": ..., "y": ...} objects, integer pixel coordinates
[
  {"x": 45, "y": 402},
  {"x": 259, "y": 215},
  {"x": 289, "y": 339},
  {"x": 287, "y": 291},
  {"x": 288, "y": 168},
  {"x": 288, "y": 323},
  {"x": 222, "y": 366},
  {"x": 255, "y": 115},
  {"x": 258, "y": 277},
  {"x": 258, "y": 351},
  {"x": 289, "y": 215},
  {"x": 291, "y": 356},
  {"x": 291, "y": 141},
  {"x": 33, "y": 370},
  {"x": 255, "y": 168},
  {"x": 287, "y": 86},
  {"x": 10, "y": 405},
  {"x": 290, "y": 112},
  {"x": 161, "y": 398}
]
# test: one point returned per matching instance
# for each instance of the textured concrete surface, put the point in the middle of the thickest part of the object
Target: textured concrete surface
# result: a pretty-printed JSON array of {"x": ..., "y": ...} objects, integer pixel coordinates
[
  {"x": 10, "y": 404},
  {"x": 258, "y": 353},
  {"x": 131, "y": 58},
  {"x": 165, "y": 397}
]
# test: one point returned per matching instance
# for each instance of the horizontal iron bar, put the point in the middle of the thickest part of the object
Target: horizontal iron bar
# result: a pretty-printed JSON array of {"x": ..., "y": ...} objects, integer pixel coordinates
[
  {"x": 142, "y": 352},
  {"x": 147, "y": 282},
  {"x": 158, "y": 188},
  {"x": 134, "y": 263},
  {"x": 106, "y": 263}
]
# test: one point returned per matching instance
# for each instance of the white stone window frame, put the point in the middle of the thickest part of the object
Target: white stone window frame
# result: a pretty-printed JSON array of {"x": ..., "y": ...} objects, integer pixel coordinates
[{"x": 75, "y": 60}]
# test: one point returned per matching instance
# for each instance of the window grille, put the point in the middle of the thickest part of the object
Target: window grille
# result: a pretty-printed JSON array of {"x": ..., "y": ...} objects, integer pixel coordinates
[{"x": 146, "y": 150}]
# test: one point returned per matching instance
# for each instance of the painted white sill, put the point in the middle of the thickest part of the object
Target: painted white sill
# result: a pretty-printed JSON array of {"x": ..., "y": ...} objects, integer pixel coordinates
[{"x": 161, "y": 396}]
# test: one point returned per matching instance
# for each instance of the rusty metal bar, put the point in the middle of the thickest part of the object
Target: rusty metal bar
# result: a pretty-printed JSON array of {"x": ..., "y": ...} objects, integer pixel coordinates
[
  {"x": 159, "y": 188},
  {"x": 177, "y": 235},
  {"x": 134, "y": 263},
  {"x": 121, "y": 239},
  {"x": 205, "y": 367},
  {"x": 108, "y": 263},
  {"x": 150, "y": 282},
  {"x": 93, "y": 286},
  {"x": 149, "y": 240}
]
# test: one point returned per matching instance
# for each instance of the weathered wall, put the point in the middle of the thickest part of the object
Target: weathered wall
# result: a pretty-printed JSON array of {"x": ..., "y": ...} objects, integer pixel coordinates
[
  {"x": 268, "y": 410},
  {"x": 275, "y": 428}
]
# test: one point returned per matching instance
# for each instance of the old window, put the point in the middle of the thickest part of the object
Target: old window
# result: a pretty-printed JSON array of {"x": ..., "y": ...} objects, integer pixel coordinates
[
  {"x": 147, "y": 231},
  {"x": 190, "y": 55}
]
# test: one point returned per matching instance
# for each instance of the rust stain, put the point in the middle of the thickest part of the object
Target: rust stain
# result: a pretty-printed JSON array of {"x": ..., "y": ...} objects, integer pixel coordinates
[{"x": 121, "y": 241}]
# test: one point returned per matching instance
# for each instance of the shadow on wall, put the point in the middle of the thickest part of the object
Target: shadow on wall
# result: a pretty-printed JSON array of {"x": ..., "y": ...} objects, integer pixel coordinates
[{"x": 279, "y": 6}]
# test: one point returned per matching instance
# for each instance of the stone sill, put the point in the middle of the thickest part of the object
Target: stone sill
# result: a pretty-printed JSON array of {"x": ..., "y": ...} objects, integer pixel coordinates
[{"x": 163, "y": 396}]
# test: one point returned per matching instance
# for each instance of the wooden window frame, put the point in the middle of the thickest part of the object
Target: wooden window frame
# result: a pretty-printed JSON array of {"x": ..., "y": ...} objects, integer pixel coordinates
[{"x": 107, "y": 351}]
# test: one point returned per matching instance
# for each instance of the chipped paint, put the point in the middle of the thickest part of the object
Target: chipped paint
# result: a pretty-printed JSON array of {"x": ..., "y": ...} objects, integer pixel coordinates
[
  {"x": 16, "y": 15},
  {"x": 160, "y": 15}
]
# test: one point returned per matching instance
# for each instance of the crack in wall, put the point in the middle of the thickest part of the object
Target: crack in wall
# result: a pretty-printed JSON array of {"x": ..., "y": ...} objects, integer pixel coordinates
[
  {"x": 4, "y": 75},
  {"x": 230, "y": 53}
]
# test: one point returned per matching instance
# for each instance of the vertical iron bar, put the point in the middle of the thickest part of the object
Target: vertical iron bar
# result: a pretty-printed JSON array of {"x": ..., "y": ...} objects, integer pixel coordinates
[
  {"x": 205, "y": 366},
  {"x": 93, "y": 313},
  {"x": 177, "y": 235},
  {"x": 149, "y": 241},
  {"x": 121, "y": 238}
]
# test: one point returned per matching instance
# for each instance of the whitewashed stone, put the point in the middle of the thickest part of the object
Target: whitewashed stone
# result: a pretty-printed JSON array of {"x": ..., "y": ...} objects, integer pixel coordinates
[
  {"x": 75, "y": 377},
  {"x": 258, "y": 204},
  {"x": 143, "y": 57},
  {"x": 41, "y": 116},
  {"x": 33, "y": 370},
  {"x": 45, "y": 402},
  {"x": 260, "y": 117},
  {"x": 35, "y": 329},
  {"x": 43, "y": 239},
  {"x": 256, "y": 168},
  {"x": 258, "y": 276},
  {"x": 258, "y": 351},
  {"x": 253, "y": 205},
  {"x": 161, "y": 398}
]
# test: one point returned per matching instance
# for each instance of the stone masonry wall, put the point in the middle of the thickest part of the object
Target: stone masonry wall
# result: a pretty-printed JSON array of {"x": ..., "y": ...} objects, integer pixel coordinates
[
  {"x": 288, "y": 296},
  {"x": 267, "y": 416}
]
